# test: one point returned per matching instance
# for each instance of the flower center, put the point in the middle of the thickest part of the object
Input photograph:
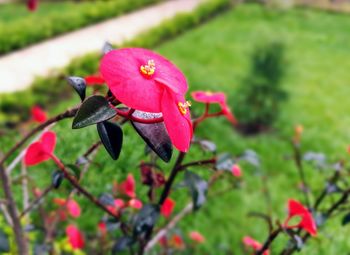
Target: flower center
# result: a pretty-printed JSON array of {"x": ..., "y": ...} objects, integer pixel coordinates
[
  {"x": 149, "y": 69},
  {"x": 183, "y": 107},
  {"x": 208, "y": 93}
]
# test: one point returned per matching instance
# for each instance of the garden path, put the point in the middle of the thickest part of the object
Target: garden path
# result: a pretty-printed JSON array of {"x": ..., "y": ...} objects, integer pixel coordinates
[{"x": 19, "y": 69}]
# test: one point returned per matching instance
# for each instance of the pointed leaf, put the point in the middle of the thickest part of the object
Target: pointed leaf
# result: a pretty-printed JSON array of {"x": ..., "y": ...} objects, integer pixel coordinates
[
  {"x": 155, "y": 135},
  {"x": 106, "y": 199},
  {"x": 146, "y": 219},
  {"x": 79, "y": 85},
  {"x": 122, "y": 244},
  {"x": 207, "y": 145},
  {"x": 57, "y": 178},
  {"x": 73, "y": 170},
  {"x": 111, "y": 136},
  {"x": 224, "y": 162},
  {"x": 198, "y": 189},
  {"x": 93, "y": 110},
  {"x": 4, "y": 242},
  {"x": 346, "y": 219}
]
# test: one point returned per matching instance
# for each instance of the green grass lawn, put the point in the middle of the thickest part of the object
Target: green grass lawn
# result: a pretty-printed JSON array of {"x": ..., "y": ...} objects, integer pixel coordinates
[
  {"x": 215, "y": 56},
  {"x": 18, "y": 11}
]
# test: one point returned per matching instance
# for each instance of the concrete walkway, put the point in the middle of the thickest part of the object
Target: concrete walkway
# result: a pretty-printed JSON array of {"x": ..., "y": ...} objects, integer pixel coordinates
[{"x": 19, "y": 69}]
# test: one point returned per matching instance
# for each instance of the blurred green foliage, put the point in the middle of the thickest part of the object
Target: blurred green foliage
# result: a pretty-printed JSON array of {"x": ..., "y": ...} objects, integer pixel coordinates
[
  {"x": 50, "y": 90},
  {"x": 259, "y": 97},
  {"x": 20, "y": 28}
]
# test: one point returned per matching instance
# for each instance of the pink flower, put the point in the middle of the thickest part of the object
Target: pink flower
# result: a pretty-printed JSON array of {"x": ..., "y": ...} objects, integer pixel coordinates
[
  {"x": 197, "y": 237},
  {"x": 255, "y": 245},
  {"x": 138, "y": 77},
  {"x": 145, "y": 81},
  {"x": 118, "y": 205},
  {"x": 307, "y": 222},
  {"x": 94, "y": 80},
  {"x": 73, "y": 208},
  {"x": 32, "y": 5},
  {"x": 41, "y": 150},
  {"x": 38, "y": 114},
  {"x": 127, "y": 187},
  {"x": 75, "y": 238},
  {"x": 236, "y": 170},
  {"x": 177, "y": 242},
  {"x": 177, "y": 120},
  {"x": 215, "y": 98},
  {"x": 102, "y": 227},
  {"x": 167, "y": 207},
  {"x": 71, "y": 205},
  {"x": 135, "y": 203}
]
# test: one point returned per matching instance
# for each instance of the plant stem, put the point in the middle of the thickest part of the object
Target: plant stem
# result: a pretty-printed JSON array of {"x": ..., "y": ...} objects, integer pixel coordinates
[
  {"x": 83, "y": 191},
  {"x": 176, "y": 169},
  {"x": 36, "y": 201},
  {"x": 273, "y": 235},
  {"x": 299, "y": 164},
  {"x": 197, "y": 163},
  {"x": 11, "y": 206}
]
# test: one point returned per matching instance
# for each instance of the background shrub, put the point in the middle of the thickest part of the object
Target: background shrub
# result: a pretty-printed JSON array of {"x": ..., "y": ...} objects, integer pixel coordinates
[{"x": 260, "y": 96}]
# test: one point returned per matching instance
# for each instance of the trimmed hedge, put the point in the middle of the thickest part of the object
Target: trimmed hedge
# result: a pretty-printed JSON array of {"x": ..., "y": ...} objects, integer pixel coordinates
[
  {"x": 23, "y": 32},
  {"x": 50, "y": 90}
]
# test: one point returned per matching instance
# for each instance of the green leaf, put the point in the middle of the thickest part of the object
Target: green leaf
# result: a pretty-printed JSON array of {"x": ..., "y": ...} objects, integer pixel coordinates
[
  {"x": 79, "y": 85},
  {"x": 224, "y": 162},
  {"x": 198, "y": 188},
  {"x": 73, "y": 170},
  {"x": 93, "y": 110},
  {"x": 4, "y": 242},
  {"x": 122, "y": 244},
  {"x": 57, "y": 178},
  {"x": 155, "y": 135},
  {"x": 346, "y": 219},
  {"x": 146, "y": 219},
  {"x": 111, "y": 136}
]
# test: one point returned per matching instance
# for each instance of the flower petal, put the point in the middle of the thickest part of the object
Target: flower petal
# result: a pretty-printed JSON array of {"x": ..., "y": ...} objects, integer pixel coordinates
[
  {"x": 75, "y": 238},
  {"x": 179, "y": 126},
  {"x": 167, "y": 207},
  {"x": 73, "y": 208},
  {"x": 48, "y": 140},
  {"x": 38, "y": 114},
  {"x": 121, "y": 70}
]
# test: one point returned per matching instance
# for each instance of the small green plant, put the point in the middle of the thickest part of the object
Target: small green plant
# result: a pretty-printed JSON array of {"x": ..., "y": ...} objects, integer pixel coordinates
[{"x": 259, "y": 97}]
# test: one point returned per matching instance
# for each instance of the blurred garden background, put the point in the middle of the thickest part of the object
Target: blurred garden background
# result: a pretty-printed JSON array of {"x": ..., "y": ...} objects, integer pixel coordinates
[{"x": 282, "y": 64}]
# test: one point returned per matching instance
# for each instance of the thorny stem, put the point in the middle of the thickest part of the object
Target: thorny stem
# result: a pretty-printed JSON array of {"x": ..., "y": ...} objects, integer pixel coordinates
[
  {"x": 197, "y": 163},
  {"x": 172, "y": 177},
  {"x": 127, "y": 115},
  {"x": 299, "y": 164},
  {"x": 11, "y": 207},
  {"x": 75, "y": 183},
  {"x": 269, "y": 240},
  {"x": 36, "y": 201}
]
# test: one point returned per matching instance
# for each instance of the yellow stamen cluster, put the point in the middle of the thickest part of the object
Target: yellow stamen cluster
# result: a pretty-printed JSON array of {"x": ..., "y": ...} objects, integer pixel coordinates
[
  {"x": 183, "y": 107},
  {"x": 148, "y": 69}
]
